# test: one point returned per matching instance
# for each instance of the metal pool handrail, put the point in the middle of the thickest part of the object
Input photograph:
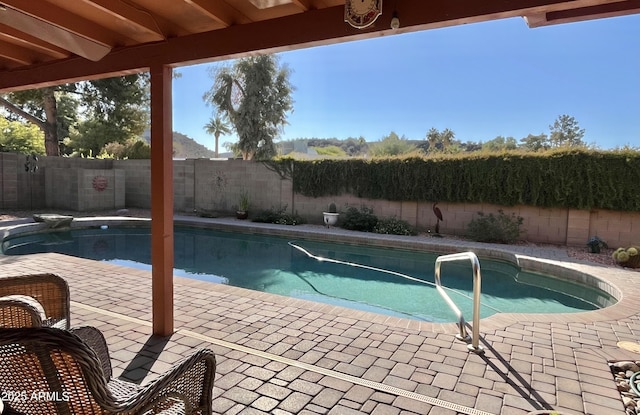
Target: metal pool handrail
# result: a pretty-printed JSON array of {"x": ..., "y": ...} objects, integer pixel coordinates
[{"x": 477, "y": 279}]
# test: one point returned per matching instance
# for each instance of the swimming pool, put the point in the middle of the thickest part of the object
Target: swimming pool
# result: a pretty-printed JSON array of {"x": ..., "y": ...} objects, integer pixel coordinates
[{"x": 282, "y": 266}]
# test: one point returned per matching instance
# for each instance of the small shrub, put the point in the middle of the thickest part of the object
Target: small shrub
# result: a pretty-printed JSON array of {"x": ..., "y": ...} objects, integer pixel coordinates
[
  {"x": 361, "y": 219},
  {"x": 500, "y": 228},
  {"x": 278, "y": 216},
  {"x": 394, "y": 226},
  {"x": 595, "y": 244}
]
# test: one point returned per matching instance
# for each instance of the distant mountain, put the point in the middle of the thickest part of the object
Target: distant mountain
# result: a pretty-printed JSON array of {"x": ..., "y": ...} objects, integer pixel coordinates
[{"x": 184, "y": 146}]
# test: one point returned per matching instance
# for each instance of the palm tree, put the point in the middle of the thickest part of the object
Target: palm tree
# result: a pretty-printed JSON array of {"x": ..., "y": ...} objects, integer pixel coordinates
[{"x": 217, "y": 126}]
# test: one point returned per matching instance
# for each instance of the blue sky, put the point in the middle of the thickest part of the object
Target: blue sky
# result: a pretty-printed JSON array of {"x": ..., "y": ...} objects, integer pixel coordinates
[{"x": 480, "y": 80}]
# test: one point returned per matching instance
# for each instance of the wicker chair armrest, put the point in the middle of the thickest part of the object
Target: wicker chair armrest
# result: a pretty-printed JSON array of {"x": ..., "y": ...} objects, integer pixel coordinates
[
  {"x": 20, "y": 311},
  {"x": 95, "y": 339},
  {"x": 50, "y": 290},
  {"x": 189, "y": 384}
]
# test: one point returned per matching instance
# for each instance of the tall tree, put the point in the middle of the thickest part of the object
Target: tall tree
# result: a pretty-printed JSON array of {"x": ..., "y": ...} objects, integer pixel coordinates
[
  {"x": 565, "y": 131},
  {"x": 88, "y": 114},
  {"x": 440, "y": 140},
  {"x": 255, "y": 95},
  {"x": 217, "y": 126},
  {"x": 116, "y": 110},
  {"x": 38, "y": 107}
]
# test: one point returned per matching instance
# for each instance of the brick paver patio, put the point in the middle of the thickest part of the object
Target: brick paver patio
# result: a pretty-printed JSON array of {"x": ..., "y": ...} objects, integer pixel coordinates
[{"x": 278, "y": 355}]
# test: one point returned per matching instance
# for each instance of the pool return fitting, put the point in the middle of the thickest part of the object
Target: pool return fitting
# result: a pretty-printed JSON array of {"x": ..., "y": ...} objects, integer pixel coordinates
[{"x": 477, "y": 280}]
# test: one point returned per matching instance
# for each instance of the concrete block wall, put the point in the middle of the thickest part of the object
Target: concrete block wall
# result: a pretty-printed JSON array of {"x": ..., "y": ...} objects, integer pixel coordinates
[
  {"x": 137, "y": 182},
  {"x": 622, "y": 227},
  {"x": 578, "y": 226},
  {"x": 31, "y": 194},
  {"x": 101, "y": 189},
  {"x": 74, "y": 163},
  {"x": 84, "y": 189},
  {"x": 215, "y": 186},
  {"x": 61, "y": 188},
  {"x": 539, "y": 224},
  {"x": 183, "y": 185},
  {"x": 219, "y": 184},
  {"x": 9, "y": 180}
]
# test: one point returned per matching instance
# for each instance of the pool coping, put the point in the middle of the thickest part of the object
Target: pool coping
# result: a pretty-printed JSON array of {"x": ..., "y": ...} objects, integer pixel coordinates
[{"x": 617, "y": 282}]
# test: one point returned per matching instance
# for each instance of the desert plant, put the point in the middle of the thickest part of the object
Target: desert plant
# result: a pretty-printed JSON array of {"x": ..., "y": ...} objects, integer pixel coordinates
[
  {"x": 243, "y": 201},
  {"x": 394, "y": 226},
  {"x": 595, "y": 244},
  {"x": 500, "y": 228},
  {"x": 332, "y": 208},
  {"x": 361, "y": 219},
  {"x": 627, "y": 257}
]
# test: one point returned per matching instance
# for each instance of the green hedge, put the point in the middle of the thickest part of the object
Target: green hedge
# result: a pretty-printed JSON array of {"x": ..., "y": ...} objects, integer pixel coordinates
[{"x": 580, "y": 179}]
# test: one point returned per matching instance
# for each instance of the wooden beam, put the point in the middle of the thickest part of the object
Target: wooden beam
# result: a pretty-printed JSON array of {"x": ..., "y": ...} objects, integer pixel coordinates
[
  {"x": 304, "y": 5},
  {"x": 219, "y": 11},
  {"x": 63, "y": 19},
  {"x": 613, "y": 9},
  {"x": 16, "y": 54},
  {"x": 129, "y": 15},
  {"x": 161, "y": 200},
  {"x": 311, "y": 28},
  {"x": 24, "y": 40}
]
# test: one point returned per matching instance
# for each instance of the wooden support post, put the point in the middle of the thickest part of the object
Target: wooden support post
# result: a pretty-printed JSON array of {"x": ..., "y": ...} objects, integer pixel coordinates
[{"x": 161, "y": 200}]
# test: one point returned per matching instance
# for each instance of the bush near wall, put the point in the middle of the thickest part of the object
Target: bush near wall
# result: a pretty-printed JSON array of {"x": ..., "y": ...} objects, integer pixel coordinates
[{"x": 579, "y": 179}]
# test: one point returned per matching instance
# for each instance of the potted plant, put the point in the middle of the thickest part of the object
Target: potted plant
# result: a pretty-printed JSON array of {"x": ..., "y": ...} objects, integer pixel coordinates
[
  {"x": 331, "y": 216},
  {"x": 243, "y": 205},
  {"x": 595, "y": 244}
]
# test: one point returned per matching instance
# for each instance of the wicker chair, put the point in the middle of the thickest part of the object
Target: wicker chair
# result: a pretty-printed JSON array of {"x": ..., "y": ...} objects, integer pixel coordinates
[
  {"x": 20, "y": 311},
  {"x": 50, "y": 290},
  {"x": 52, "y": 371}
]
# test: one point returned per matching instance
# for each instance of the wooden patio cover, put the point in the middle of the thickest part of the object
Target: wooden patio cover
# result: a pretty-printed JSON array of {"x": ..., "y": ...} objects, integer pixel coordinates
[{"x": 49, "y": 42}]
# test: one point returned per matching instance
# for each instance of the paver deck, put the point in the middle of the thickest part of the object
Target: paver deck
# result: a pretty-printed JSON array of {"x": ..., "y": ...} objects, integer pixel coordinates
[{"x": 278, "y": 355}]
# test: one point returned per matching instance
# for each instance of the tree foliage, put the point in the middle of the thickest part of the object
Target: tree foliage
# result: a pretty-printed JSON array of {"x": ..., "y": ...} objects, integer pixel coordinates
[
  {"x": 566, "y": 177},
  {"x": 255, "y": 95},
  {"x": 116, "y": 111},
  {"x": 331, "y": 151},
  {"x": 21, "y": 137},
  {"x": 131, "y": 149},
  {"x": 217, "y": 126},
  {"x": 500, "y": 143},
  {"x": 565, "y": 132},
  {"x": 391, "y": 145},
  {"x": 85, "y": 115},
  {"x": 535, "y": 142},
  {"x": 352, "y": 146},
  {"x": 441, "y": 141}
]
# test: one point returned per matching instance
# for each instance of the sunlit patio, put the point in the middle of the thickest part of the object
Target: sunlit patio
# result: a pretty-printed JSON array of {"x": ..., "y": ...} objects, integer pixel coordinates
[{"x": 281, "y": 355}]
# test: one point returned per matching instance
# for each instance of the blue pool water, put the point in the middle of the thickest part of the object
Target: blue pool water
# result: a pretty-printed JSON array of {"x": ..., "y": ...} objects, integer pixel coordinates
[{"x": 271, "y": 264}]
